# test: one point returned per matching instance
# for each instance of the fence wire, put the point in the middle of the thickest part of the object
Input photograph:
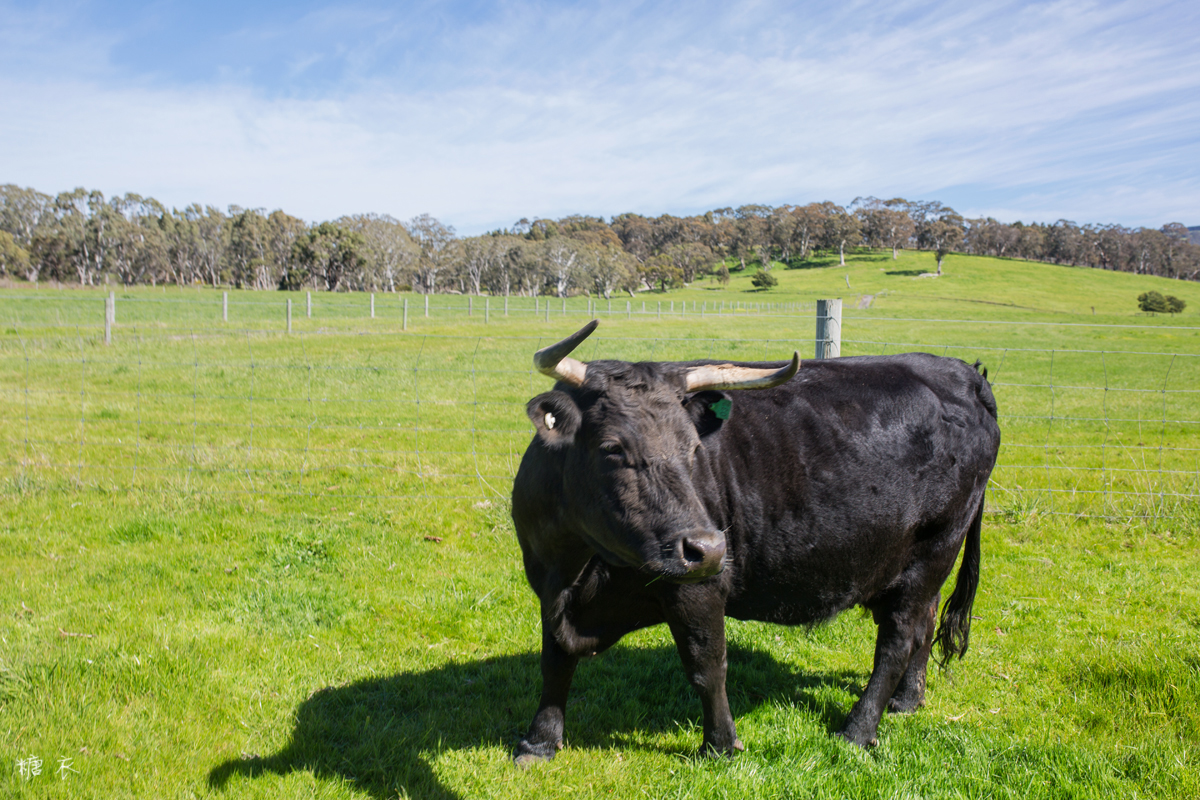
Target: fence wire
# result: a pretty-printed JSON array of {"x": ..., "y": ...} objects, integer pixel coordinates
[{"x": 1101, "y": 433}]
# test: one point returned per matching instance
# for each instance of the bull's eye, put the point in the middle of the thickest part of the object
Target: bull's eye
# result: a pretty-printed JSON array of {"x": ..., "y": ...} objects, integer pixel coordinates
[{"x": 612, "y": 448}]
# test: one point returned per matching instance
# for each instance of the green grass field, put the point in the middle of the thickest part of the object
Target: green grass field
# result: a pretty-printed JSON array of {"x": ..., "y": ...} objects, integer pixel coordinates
[{"x": 242, "y": 563}]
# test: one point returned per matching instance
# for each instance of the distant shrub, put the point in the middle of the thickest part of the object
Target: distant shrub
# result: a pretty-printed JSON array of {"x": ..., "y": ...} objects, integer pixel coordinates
[
  {"x": 764, "y": 280},
  {"x": 1156, "y": 303}
]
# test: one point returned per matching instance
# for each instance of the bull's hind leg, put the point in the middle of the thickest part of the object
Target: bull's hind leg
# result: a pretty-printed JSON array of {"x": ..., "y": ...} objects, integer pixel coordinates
[
  {"x": 910, "y": 694},
  {"x": 894, "y": 648}
]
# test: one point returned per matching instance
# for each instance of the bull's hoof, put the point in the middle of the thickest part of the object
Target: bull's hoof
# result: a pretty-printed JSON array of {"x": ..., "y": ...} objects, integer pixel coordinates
[
  {"x": 905, "y": 703},
  {"x": 859, "y": 741},
  {"x": 529, "y": 753},
  {"x": 710, "y": 750}
]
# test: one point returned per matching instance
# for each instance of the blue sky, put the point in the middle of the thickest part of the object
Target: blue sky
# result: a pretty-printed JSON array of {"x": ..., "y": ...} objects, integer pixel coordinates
[{"x": 481, "y": 113}]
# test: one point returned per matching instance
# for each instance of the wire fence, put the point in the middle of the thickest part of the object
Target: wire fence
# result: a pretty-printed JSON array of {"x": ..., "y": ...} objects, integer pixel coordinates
[
  {"x": 1106, "y": 432},
  {"x": 275, "y": 310}
]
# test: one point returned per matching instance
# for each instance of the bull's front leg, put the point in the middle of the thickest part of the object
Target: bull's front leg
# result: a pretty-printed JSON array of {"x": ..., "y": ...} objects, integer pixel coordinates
[
  {"x": 546, "y": 731},
  {"x": 697, "y": 621}
]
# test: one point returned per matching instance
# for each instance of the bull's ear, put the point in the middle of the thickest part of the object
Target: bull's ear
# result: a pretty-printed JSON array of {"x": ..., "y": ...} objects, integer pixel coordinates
[
  {"x": 708, "y": 409},
  {"x": 555, "y": 416}
]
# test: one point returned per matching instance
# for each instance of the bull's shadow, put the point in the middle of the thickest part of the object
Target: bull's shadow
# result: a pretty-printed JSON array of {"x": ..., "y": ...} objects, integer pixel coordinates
[{"x": 383, "y": 734}]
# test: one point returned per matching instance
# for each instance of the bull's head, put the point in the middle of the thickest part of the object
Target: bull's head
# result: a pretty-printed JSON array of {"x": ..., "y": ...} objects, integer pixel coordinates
[{"x": 629, "y": 435}]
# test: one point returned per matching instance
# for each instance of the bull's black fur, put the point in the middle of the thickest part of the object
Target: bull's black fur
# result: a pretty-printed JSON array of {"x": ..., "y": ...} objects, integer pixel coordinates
[{"x": 856, "y": 483}]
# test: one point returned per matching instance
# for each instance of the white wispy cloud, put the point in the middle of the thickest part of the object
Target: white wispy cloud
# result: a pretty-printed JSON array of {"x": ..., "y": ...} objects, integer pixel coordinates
[{"x": 1034, "y": 111}]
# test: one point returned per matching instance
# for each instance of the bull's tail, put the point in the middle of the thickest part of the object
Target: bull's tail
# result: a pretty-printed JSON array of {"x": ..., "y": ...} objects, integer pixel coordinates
[{"x": 954, "y": 630}]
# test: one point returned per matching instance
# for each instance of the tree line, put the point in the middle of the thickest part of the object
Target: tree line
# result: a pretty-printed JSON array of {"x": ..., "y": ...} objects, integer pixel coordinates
[{"x": 82, "y": 237}]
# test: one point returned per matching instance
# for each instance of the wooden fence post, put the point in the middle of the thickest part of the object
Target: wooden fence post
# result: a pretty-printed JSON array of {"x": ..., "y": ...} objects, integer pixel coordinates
[
  {"x": 372, "y": 305},
  {"x": 405, "y": 326},
  {"x": 829, "y": 328},
  {"x": 289, "y": 314},
  {"x": 308, "y": 304},
  {"x": 109, "y": 314},
  {"x": 225, "y": 306}
]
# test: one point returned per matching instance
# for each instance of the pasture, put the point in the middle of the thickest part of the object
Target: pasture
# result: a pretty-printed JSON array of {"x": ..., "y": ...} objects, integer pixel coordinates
[{"x": 239, "y": 562}]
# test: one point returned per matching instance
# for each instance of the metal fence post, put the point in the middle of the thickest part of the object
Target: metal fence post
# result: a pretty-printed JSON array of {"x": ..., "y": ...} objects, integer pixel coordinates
[
  {"x": 307, "y": 304},
  {"x": 829, "y": 328},
  {"x": 225, "y": 306},
  {"x": 289, "y": 314}
]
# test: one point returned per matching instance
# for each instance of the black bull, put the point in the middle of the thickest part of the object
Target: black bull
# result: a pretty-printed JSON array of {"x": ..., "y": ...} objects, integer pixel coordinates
[{"x": 666, "y": 492}]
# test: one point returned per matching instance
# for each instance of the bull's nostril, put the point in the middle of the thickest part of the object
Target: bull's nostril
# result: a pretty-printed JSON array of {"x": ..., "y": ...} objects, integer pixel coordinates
[{"x": 691, "y": 554}]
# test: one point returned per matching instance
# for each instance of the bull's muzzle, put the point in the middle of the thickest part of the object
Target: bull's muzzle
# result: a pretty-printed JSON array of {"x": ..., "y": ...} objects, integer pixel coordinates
[{"x": 701, "y": 554}]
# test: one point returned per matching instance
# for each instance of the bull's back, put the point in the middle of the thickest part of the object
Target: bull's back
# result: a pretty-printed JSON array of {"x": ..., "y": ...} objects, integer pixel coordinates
[{"x": 834, "y": 484}]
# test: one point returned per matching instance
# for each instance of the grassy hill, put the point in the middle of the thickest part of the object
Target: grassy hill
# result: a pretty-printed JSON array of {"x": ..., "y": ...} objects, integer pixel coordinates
[{"x": 238, "y": 563}]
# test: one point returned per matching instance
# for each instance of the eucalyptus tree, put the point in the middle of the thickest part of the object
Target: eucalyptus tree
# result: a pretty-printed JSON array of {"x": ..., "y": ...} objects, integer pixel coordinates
[
  {"x": 636, "y": 234},
  {"x": 560, "y": 255},
  {"x": 884, "y": 223},
  {"x": 608, "y": 268},
  {"x": 23, "y": 212},
  {"x": 14, "y": 259},
  {"x": 840, "y": 228},
  {"x": 941, "y": 230},
  {"x": 522, "y": 266},
  {"x": 210, "y": 241},
  {"x": 991, "y": 238},
  {"x": 660, "y": 271},
  {"x": 325, "y": 254},
  {"x": 137, "y": 247},
  {"x": 389, "y": 251},
  {"x": 481, "y": 255},
  {"x": 690, "y": 259},
  {"x": 283, "y": 230},
  {"x": 798, "y": 229},
  {"x": 249, "y": 267},
  {"x": 179, "y": 235},
  {"x": 753, "y": 235},
  {"x": 437, "y": 248},
  {"x": 721, "y": 231},
  {"x": 781, "y": 227},
  {"x": 1107, "y": 245}
]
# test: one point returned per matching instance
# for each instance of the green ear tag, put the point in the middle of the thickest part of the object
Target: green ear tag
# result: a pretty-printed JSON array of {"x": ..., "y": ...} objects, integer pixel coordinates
[{"x": 722, "y": 408}]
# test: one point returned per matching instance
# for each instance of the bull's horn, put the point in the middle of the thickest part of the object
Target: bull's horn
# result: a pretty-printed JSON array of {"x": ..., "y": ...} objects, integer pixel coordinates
[
  {"x": 556, "y": 362},
  {"x": 728, "y": 376}
]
